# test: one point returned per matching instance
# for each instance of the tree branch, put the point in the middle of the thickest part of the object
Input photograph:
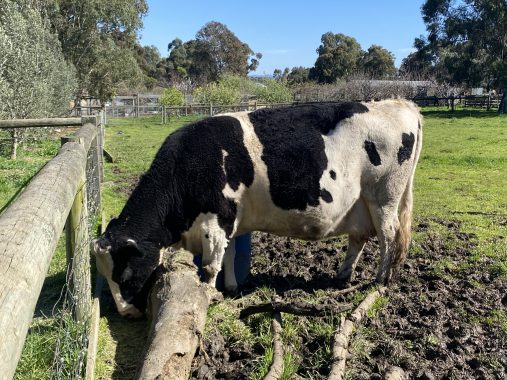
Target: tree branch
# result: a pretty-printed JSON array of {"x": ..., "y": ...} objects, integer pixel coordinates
[
  {"x": 344, "y": 332},
  {"x": 276, "y": 369},
  {"x": 297, "y": 308}
]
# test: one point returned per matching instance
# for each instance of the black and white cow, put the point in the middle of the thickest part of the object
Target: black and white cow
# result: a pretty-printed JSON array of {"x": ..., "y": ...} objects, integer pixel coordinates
[{"x": 310, "y": 171}]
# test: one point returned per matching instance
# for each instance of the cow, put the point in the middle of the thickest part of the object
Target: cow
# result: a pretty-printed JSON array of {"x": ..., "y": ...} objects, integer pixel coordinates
[{"x": 310, "y": 171}]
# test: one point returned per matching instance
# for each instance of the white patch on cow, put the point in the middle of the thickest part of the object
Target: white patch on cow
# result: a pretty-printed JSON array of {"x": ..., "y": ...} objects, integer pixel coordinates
[
  {"x": 228, "y": 192},
  {"x": 206, "y": 237}
]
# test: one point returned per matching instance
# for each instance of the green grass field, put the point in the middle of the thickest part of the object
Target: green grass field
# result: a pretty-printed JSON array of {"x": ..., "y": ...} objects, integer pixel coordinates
[{"x": 461, "y": 178}]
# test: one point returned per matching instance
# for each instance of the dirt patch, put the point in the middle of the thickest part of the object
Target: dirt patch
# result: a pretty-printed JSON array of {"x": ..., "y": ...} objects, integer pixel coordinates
[{"x": 445, "y": 317}]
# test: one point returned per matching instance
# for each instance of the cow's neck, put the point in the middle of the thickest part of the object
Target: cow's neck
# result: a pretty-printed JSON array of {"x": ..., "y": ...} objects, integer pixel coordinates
[{"x": 143, "y": 217}]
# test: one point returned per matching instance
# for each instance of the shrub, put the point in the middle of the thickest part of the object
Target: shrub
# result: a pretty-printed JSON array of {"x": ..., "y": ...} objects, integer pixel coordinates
[
  {"x": 272, "y": 91},
  {"x": 172, "y": 97},
  {"x": 220, "y": 93}
]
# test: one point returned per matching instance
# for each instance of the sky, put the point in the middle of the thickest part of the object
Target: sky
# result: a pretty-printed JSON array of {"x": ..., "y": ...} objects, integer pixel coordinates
[{"x": 287, "y": 33}]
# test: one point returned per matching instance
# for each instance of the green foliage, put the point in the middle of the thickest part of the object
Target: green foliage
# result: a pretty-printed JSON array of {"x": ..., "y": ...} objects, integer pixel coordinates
[
  {"x": 272, "y": 91},
  {"x": 215, "y": 51},
  {"x": 99, "y": 38},
  {"x": 217, "y": 93},
  {"x": 149, "y": 61},
  {"x": 231, "y": 89},
  {"x": 35, "y": 80},
  {"x": 298, "y": 75},
  {"x": 377, "y": 62},
  {"x": 466, "y": 40},
  {"x": 172, "y": 97},
  {"x": 338, "y": 58}
]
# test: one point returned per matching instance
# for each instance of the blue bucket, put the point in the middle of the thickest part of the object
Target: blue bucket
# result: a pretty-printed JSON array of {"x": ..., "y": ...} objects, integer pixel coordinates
[{"x": 243, "y": 244}]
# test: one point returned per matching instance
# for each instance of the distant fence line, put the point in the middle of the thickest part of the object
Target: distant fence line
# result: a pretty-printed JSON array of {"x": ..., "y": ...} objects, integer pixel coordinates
[
  {"x": 142, "y": 105},
  {"x": 65, "y": 193}
]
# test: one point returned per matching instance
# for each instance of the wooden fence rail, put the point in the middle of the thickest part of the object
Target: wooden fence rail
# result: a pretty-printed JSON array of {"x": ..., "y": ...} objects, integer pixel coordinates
[{"x": 30, "y": 228}]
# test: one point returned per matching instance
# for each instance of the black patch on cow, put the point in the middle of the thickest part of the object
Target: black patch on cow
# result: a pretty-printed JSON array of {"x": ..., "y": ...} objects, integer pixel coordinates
[
  {"x": 293, "y": 148},
  {"x": 326, "y": 196},
  {"x": 405, "y": 151},
  {"x": 373, "y": 155},
  {"x": 185, "y": 179},
  {"x": 332, "y": 173}
]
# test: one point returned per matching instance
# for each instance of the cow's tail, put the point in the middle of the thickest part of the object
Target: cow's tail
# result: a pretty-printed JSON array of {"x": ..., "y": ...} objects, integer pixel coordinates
[{"x": 403, "y": 235}]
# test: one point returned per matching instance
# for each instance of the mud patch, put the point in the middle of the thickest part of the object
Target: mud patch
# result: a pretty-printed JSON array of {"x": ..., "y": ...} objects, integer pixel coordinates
[{"x": 445, "y": 317}]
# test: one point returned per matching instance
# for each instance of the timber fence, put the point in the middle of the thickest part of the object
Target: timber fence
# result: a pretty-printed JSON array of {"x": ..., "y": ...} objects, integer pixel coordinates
[{"x": 63, "y": 196}]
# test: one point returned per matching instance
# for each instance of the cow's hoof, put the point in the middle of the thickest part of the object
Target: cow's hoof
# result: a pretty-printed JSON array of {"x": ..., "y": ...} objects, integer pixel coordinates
[
  {"x": 231, "y": 291},
  {"x": 343, "y": 281}
]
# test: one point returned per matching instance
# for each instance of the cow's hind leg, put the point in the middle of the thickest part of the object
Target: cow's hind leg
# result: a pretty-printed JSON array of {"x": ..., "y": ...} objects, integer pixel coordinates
[
  {"x": 385, "y": 220},
  {"x": 354, "y": 251}
]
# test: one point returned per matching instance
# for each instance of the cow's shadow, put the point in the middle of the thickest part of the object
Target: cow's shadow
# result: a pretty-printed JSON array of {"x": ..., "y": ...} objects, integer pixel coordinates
[{"x": 129, "y": 337}]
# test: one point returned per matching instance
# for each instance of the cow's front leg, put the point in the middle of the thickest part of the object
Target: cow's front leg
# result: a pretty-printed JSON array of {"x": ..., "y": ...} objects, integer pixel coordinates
[
  {"x": 214, "y": 245},
  {"x": 231, "y": 285}
]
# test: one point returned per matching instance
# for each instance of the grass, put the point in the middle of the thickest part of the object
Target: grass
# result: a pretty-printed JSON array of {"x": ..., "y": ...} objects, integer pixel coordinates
[{"x": 461, "y": 174}]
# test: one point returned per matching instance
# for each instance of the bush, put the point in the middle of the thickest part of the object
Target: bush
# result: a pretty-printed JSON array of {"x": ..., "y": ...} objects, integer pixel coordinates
[
  {"x": 272, "y": 91},
  {"x": 219, "y": 93},
  {"x": 172, "y": 97},
  {"x": 231, "y": 89}
]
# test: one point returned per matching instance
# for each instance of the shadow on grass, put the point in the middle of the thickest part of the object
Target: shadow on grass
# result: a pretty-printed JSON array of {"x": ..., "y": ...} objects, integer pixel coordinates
[
  {"x": 458, "y": 113},
  {"x": 51, "y": 296},
  {"x": 130, "y": 336}
]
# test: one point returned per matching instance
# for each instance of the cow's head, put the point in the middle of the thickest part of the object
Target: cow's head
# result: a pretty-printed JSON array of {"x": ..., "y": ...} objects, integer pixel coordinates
[{"x": 128, "y": 266}]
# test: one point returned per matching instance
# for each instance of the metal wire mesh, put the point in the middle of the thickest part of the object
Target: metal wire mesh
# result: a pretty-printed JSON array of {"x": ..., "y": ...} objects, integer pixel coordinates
[{"x": 73, "y": 316}]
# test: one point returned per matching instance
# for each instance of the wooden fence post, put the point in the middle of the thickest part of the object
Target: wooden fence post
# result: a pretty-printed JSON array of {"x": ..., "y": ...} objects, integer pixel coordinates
[{"x": 78, "y": 248}]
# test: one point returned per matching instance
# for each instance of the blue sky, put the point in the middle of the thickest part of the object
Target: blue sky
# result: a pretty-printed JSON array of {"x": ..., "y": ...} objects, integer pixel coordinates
[{"x": 287, "y": 33}]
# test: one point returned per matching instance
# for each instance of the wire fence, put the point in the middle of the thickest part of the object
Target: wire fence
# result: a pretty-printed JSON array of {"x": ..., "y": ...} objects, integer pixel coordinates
[
  {"x": 71, "y": 313},
  {"x": 73, "y": 317}
]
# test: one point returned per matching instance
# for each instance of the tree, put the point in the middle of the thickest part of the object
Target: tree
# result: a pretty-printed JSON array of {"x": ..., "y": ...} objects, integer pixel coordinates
[
  {"x": 35, "y": 79},
  {"x": 377, "y": 62},
  {"x": 150, "y": 63},
  {"x": 227, "y": 52},
  {"x": 215, "y": 51},
  {"x": 338, "y": 58},
  {"x": 298, "y": 75},
  {"x": 178, "y": 62},
  {"x": 470, "y": 39},
  {"x": 99, "y": 38},
  {"x": 421, "y": 63},
  {"x": 281, "y": 75}
]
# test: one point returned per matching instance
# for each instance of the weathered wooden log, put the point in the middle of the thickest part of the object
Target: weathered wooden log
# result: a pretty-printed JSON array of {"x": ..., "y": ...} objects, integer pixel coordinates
[
  {"x": 179, "y": 305},
  {"x": 30, "y": 123},
  {"x": 29, "y": 232}
]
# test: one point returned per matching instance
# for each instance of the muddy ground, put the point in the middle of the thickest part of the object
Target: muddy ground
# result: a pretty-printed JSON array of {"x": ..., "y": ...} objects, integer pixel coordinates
[{"x": 438, "y": 323}]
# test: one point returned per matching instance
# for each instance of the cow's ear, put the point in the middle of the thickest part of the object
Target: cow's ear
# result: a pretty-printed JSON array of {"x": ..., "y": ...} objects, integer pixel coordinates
[{"x": 101, "y": 246}]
